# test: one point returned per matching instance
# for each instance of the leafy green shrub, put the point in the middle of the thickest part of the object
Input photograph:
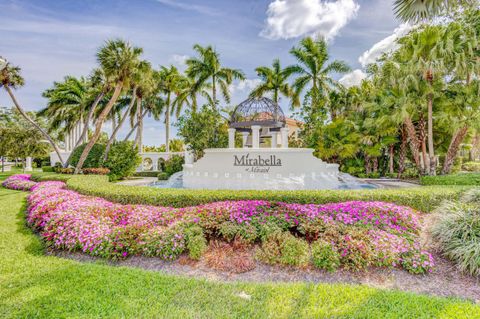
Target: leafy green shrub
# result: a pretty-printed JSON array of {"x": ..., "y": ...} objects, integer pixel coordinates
[
  {"x": 162, "y": 176},
  {"x": 196, "y": 243},
  {"x": 122, "y": 160},
  {"x": 471, "y": 167},
  {"x": 324, "y": 255},
  {"x": 456, "y": 179},
  {"x": 424, "y": 199},
  {"x": 146, "y": 174},
  {"x": 458, "y": 234},
  {"x": 284, "y": 248},
  {"x": 67, "y": 170},
  {"x": 94, "y": 158},
  {"x": 231, "y": 230},
  {"x": 174, "y": 164},
  {"x": 47, "y": 169}
]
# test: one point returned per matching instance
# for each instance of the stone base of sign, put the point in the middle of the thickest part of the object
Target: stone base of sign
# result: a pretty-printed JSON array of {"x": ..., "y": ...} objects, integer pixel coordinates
[{"x": 261, "y": 169}]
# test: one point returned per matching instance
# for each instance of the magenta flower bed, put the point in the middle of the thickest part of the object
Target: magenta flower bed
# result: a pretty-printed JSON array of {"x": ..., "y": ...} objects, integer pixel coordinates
[
  {"x": 364, "y": 233},
  {"x": 19, "y": 182}
]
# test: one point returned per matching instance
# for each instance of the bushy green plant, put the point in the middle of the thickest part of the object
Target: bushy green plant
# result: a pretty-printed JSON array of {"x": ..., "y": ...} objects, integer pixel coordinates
[
  {"x": 94, "y": 158},
  {"x": 458, "y": 234},
  {"x": 122, "y": 160},
  {"x": 47, "y": 169},
  {"x": 324, "y": 255},
  {"x": 196, "y": 243},
  {"x": 471, "y": 167},
  {"x": 162, "y": 176},
  {"x": 231, "y": 230},
  {"x": 174, "y": 164},
  {"x": 146, "y": 174},
  {"x": 284, "y": 248}
]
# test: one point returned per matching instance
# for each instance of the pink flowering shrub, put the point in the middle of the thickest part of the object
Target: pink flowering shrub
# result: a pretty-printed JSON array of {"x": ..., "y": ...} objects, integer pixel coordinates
[
  {"x": 20, "y": 182},
  {"x": 353, "y": 235}
]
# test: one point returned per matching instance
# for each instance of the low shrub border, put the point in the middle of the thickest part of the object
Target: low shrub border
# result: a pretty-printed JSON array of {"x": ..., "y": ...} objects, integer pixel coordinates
[
  {"x": 361, "y": 234},
  {"x": 472, "y": 179}
]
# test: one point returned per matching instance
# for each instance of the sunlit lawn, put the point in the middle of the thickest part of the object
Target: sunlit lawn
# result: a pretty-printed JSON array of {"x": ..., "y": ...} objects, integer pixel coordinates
[{"x": 33, "y": 285}]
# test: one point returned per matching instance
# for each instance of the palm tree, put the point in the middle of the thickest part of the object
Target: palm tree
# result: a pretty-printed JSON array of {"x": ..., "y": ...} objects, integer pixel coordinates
[
  {"x": 426, "y": 50},
  {"x": 170, "y": 83},
  {"x": 274, "y": 80},
  {"x": 118, "y": 60},
  {"x": 208, "y": 67},
  {"x": 418, "y": 10},
  {"x": 188, "y": 93},
  {"x": 10, "y": 78},
  {"x": 312, "y": 69},
  {"x": 68, "y": 103}
]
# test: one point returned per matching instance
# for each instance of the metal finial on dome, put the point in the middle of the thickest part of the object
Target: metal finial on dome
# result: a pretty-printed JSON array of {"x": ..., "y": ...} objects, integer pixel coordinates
[{"x": 257, "y": 111}]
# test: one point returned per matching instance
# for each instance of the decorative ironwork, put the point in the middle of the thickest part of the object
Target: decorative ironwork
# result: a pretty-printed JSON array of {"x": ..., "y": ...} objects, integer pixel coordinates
[{"x": 257, "y": 111}]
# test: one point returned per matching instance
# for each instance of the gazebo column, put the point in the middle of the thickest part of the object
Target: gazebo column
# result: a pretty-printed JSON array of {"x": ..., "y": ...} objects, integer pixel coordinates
[
  {"x": 284, "y": 133},
  {"x": 256, "y": 136},
  {"x": 274, "y": 139},
  {"x": 28, "y": 164},
  {"x": 244, "y": 139},
  {"x": 231, "y": 138}
]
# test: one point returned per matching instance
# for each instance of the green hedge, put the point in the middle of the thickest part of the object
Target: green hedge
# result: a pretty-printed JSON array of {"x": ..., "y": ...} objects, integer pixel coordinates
[
  {"x": 146, "y": 174},
  {"x": 471, "y": 166},
  {"x": 422, "y": 198},
  {"x": 456, "y": 179}
]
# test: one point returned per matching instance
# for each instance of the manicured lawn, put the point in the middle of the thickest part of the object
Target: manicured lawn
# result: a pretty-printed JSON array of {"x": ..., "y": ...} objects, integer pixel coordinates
[
  {"x": 35, "y": 285},
  {"x": 454, "y": 179}
]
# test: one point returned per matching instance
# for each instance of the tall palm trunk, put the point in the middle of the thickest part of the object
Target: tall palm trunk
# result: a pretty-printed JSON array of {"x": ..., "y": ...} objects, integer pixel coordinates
[
  {"x": 167, "y": 123},
  {"x": 98, "y": 126},
  {"x": 83, "y": 135},
  {"x": 431, "y": 152},
  {"x": 114, "y": 124},
  {"x": 34, "y": 124},
  {"x": 214, "y": 92},
  {"x": 117, "y": 128},
  {"x": 403, "y": 152},
  {"x": 414, "y": 142},
  {"x": 391, "y": 159},
  {"x": 134, "y": 127},
  {"x": 452, "y": 151},
  {"x": 138, "y": 137},
  {"x": 423, "y": 145}
]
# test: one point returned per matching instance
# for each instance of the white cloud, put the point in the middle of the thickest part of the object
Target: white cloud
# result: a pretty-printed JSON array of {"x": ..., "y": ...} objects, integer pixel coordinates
[
  {"x": 294, "y": 18},
  {"x": 190, "y": 7},
  {"x": 353, "y": 78},
  {"x": 385, "y": 45},
  {"x": 179, "y": 60},
  {"x": 244, "y": 86}
]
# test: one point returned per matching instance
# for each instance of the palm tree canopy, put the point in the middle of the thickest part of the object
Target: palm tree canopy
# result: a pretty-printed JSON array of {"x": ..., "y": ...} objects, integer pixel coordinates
[
  {"x": 312, "y": 68},
  {"x": 208, "y": 66}
]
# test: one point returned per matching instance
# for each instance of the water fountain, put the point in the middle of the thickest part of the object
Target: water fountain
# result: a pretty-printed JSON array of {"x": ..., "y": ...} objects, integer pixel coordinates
[{"x": 264, "y": 162}]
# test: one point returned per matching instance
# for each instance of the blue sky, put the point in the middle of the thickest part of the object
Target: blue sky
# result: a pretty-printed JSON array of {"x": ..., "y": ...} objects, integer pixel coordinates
[{"x": 50, "y": 39}]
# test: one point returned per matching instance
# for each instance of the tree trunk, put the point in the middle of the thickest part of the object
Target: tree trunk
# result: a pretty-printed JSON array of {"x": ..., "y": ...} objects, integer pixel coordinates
[
  {"x": 114, "y": 124},
  {"x": 391, "y": 159},
  {"x": 3, "y": 164},
  {"x": 98, "y": 126},
  {"x": 138, "y": 136},
  {"x": 457, "y": 139},
  {"x": 83, "y": 136},
  {"x": 214, "y": 92},
  {"x": 403, "y": 153},
  {"x": 368, "y": 169},
  {"x": 375, "y": 164},
  {"x": 34, "y": 124},
  {"x": 423, "y": 145},
  {"x": 167, "y": 124},
  {"x": 134, "y": 127},
  {"x": 414, "y": 142},
  {"x": 431, "y": 152},
  {"x": 117, "y": 128}
]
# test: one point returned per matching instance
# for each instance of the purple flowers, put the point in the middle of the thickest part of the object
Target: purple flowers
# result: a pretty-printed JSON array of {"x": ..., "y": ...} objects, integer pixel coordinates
[
  {"x": 19, "y": 182},
  {"x": 363, "y": 233}
]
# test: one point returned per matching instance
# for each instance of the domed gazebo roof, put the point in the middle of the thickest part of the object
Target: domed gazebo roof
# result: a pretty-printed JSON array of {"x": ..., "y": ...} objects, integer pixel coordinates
[{"x": 257, "y": 111}]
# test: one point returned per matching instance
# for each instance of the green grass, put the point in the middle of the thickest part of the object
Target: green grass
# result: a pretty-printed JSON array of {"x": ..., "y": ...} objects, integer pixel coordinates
[
  {"x": 455, "y": 179},
  {"x": 421, "y": 198},
  {"x": 33, "y": 285}
]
